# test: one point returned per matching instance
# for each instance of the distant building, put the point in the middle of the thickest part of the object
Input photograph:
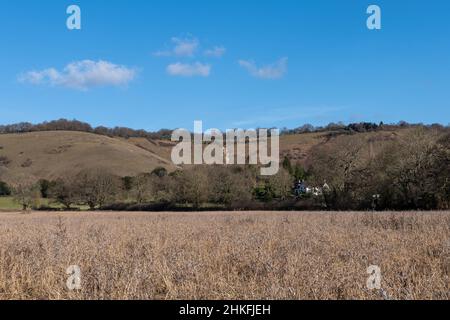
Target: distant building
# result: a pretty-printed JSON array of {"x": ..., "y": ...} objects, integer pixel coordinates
[{"x": 301, "y": 189}]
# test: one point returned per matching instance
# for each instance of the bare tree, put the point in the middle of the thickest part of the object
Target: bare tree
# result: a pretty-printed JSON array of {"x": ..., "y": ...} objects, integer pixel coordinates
[
  {"x": 343, "y": 164},
  {"x": 419, "y": 169},
  {"x": 281, "y": 185},
  {"x": 96, "y": 187},
  {"x": 64, "y": 191},
  {"x": 142, "y": 188},
  {"x": 192, "y": 186},
  {"x": 231, "y": 185},
  {"x": 27, "y": 195}
]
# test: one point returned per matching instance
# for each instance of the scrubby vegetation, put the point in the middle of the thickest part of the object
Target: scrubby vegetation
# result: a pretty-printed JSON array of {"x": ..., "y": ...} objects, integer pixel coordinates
[{"x": 408, "y": 173}]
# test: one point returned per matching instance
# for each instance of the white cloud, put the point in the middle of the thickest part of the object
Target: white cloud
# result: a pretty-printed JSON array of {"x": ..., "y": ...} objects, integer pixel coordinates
[
  {"x": 82, "y": 75},
  {"x": 274, "y": 71},
  {"x": 185, "y": 47},
  {"x": 189, "y": 70},
  {"x": 216, "y": 52}
]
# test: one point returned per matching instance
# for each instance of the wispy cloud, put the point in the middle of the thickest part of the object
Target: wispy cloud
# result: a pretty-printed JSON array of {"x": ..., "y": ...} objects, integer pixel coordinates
[
  {"x": 82, "y": 75},
  {"x": 182, "y": 47},
  {"x": 189, "y": 69},
  {"x": 215, "y": 52},
  {"x": 273, "y": 71}
]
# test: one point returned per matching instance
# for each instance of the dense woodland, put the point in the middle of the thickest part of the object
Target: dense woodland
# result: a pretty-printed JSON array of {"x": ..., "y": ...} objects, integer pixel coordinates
[{"x": 360, "y": 173}]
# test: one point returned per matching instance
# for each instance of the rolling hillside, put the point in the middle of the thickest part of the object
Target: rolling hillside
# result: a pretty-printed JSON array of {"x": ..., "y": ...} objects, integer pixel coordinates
[{"x": 53, "y": 154}]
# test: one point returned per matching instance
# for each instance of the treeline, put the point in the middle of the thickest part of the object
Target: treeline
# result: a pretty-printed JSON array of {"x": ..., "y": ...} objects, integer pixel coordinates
[
  {"x": 361, "y": 127},
  {"x": 194, "y": 188},
  {"x": 75, "y": 125},
  {"x": 124, "y": 132},
  {"x": 349, "y": 172}
]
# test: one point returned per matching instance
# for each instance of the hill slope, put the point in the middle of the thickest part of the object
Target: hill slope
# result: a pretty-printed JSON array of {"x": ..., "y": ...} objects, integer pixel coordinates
[
  {"x": 54, "y": 154},
  {"x": 299, "y": 147}
]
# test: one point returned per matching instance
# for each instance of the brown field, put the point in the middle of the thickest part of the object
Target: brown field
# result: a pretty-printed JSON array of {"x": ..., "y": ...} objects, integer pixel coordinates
[{"x": 220, "y": 255}]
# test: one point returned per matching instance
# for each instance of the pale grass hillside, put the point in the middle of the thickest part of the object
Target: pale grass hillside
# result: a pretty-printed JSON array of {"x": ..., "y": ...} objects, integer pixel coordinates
[
  {"x": 54, "y": 154},
  {"x": 57, "y": 154},
  {"x": 225, "y": 255}
]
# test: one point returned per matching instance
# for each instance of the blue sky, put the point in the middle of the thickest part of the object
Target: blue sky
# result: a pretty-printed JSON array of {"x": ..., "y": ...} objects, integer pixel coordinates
[{"x": 164, "y": 64}]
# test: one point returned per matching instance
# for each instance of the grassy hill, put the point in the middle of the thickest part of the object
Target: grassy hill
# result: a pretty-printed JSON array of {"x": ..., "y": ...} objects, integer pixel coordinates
[{"x": 53, "y": 154}]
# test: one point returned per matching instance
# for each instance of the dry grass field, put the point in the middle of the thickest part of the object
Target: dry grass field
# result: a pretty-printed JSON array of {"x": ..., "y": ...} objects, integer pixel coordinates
[{"x": 220, "y": 255}]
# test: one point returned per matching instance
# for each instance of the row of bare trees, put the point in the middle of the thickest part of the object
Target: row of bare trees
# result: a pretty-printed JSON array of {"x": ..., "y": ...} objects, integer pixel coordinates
[
  {"x": 75, "y": 125},
  {"x": 199, "y": 186},
  {"x": 93, "y": 188},
  {"x": 194, "y": 187}
]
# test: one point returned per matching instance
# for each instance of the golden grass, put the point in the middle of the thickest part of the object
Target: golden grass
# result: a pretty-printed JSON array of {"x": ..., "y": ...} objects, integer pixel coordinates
[{"x": 225, "y": 255}]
